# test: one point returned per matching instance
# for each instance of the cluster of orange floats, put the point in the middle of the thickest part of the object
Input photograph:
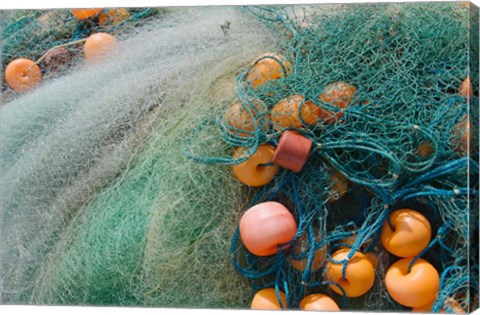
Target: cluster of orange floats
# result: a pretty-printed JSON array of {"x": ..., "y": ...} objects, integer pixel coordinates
[
  {"x": 292, "y": 112},
  {"x": 269, "y": 226},
  {"x": 412, "y": 282},
  {"x": 23, "y": 74}
]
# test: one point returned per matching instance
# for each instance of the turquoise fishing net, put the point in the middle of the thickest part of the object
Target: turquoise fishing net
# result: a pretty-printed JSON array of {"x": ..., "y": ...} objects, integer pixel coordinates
[
  {"x": 31, "y": 33},
  {"x": 125, "y": 195},
  {"x": 407, "y": 62}
]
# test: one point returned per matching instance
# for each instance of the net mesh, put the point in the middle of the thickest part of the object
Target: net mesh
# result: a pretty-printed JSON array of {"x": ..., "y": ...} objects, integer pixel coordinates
[
  {"x": 99, "y": 204},
  {"x": 388, "y": 81},
  {"x": 119, "y": 190},
  {"x": 32, "y": 33}
]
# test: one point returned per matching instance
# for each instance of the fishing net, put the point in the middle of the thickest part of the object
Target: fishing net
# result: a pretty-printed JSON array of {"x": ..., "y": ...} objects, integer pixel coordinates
[
  {"x": 32, "y": 33},
  {"x": 400, "y": 68},
  {"x": 119, "y": 189},
  {"x": 99, "y": 204}
]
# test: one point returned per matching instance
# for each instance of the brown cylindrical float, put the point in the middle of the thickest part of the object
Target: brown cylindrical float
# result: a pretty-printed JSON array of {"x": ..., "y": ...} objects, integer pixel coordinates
[{"x": 292, "y": 151}]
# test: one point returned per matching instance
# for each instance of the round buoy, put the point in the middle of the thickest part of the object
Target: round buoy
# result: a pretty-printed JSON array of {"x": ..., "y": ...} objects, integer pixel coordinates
[
  {"x": 98, "y": 46},
  {"x": 113, "y": 16},
  {"x": 22, "y": 74},
  {"x": 318, "y": 302},
  {"x": 286, "y": 113},
  {"x": 268, "y": 67},
  {"x": 242, "y": 121},
  {"x": 265, "y": 226},
  {"x": 339, "y": 94},
  {"x": 255, "y": 171},
  {"x": 266, "y": 299},
  {"x": 414, "y": 288},
  {"x": 410, "y": 235},
  {"x": 83, "y": 14},
  {"x": 359, "y": 273}
]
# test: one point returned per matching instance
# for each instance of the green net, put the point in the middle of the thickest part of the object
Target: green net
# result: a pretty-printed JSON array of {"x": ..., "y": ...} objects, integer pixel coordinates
[
  {"x": 377, "y": 89},
  {"x": 119, "y": 190},
  {"x": 99, "y": 204},
  {"x": 32, "y": 33}
]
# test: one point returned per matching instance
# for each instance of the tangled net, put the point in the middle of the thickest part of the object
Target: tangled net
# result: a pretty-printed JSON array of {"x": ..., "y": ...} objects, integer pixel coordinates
[
  {"x": 34, "y": 34},
  {"x": 99, "y": 204},
  {"x": 118, "y": 190},
  {"x": 395, "y": 143}
]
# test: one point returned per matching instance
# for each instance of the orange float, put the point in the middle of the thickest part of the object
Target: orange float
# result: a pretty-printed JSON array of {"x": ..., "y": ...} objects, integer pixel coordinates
[
  {"x": 416, "y": 288},
  {"x": 253, "y": 172},
  {"x": 266, "y": 226},
  {"x": 266, "y": 299},
  {"x": 466, "y": 88},
  {"x": 238, "y": 116},
  {"x": 449, "y": 302},
  {"x": 339, "y": 94},
  {"x": 113, "y": 16},
  {"x": 286, "y": 114},
  {"x": 318, "y": 302},
  {"x": 268, "y": 67},
  {"x": 83, "y": 14},
  {"x": 359, "y": 274},
  {"x": 463, "y": 132},
  {"x": 22, "y": 74},
  {"x": 98, "y": 46},
  {"x": 411, "y": 234}
]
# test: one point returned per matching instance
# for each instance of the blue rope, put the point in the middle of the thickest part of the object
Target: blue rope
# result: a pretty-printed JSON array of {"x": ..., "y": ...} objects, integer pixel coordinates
[
  {"x": 251, "y": 274},
  {"x": 440, "y": 171}
]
